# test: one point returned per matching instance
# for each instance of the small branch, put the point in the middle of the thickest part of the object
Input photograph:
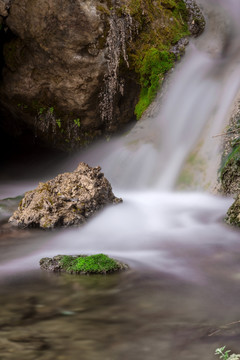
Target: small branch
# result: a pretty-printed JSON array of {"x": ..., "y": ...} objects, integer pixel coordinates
[
  {"x": 229, "y": 132},
  {"x": 215, "y": 332},
  {"x": 223, "y": 327}
]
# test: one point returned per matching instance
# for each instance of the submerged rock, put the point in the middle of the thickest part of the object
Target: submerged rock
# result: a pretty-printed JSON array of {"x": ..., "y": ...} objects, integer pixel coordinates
[
  {"x": 68, "y": 199},
  {"x": 82, "y": 264},
  {"x": 233, "y": 214}
]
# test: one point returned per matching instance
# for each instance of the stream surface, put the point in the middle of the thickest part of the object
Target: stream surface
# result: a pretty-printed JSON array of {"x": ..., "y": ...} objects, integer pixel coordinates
[{"x": 180, "y": 299}]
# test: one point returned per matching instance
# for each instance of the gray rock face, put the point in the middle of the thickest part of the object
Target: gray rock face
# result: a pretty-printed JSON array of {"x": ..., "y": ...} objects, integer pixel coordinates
[
  {"x": 68, "y": 199},
  {"x": 54, "y": 70}
]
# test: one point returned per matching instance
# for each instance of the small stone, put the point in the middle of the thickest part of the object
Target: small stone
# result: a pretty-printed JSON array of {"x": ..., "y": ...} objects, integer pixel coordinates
[{"x": 82, "y": 264}]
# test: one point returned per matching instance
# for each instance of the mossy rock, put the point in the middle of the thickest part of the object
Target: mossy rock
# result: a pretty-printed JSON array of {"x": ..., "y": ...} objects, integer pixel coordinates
[
  {"x": 233, "y": 214},
  {"x": 230, "y": 170},
  {"x": 82, "y": 264},
  {"x": 160, "y": 24}
]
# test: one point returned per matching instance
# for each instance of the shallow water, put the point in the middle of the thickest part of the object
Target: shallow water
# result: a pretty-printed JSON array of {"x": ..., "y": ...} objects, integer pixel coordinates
[{"x": 180, "y": 298}]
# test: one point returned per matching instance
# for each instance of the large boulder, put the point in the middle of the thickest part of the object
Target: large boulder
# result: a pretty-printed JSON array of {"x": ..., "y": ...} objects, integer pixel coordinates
[
  {"x": 68, "y": 199},
  {"x": 73, "y": 70},
  {"x": 55, "y": 61}
]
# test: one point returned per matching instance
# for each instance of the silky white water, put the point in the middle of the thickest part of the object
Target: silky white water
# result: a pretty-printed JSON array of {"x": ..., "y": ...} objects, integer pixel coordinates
[{"x": 143, "y": 167}]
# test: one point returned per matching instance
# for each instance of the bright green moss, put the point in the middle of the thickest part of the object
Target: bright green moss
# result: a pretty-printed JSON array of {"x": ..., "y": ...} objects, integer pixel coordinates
[
  {"x": 153, "y": 67},
  {"x": 162, "y": 23},
  {"x": 94, "y": 264}
]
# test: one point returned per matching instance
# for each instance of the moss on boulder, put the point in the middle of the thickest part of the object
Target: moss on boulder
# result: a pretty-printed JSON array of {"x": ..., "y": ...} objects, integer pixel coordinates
[
  {"x": 230, "y": 167},
  {"x": 233, "y": 214},
  {"x": 161, "y": 25},
  {"x": 82, "y": 264},
  {"x": 114, "y": 55}
]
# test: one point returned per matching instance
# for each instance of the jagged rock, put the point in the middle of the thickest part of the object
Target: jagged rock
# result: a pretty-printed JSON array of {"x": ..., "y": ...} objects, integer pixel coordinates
[
  {"x": 179, "y": 49},
  {"x": 68, "y": 199},
  {"x": 82, "y": 264},
  {"x": 196, "y": 20},
  {"x": 4, "y": 7},
  {"x": 233, "y": 214}
]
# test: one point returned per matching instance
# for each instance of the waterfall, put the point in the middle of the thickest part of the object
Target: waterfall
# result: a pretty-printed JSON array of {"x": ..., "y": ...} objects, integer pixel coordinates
[
  {"x": 199, "y": 96},
  {"x": 143, "y": 166}
]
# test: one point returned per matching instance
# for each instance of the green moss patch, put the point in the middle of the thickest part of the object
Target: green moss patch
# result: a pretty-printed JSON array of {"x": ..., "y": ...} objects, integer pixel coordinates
[
  {"x": 96, "y": 264},
  {"x": 162, "y": 23},
  {"x": 154, "y": 65},
  {"x": 82, "y": 264}
]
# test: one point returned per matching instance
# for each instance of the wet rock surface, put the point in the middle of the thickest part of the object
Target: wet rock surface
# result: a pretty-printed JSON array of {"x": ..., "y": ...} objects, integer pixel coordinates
[
  {"x": 63, "y": 263},
  {"x": 67, "y": 77},
  {"x": 68, "y": 199},
  {"x": 233, "y": 214},
  {"x": 55, "y": 60},
  {"x": 196, "y": 20},
  {"x": 230, "y": 168}
]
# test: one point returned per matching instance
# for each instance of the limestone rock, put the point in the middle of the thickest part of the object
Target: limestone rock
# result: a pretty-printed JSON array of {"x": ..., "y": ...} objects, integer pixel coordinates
[
  {"x": 233, "y": 214},
  {"x": 196, "y": 20},
  {"x": 55, "y": 61},
  {"x": 67, "y": 76},
  {"x": 68, "y": 199}
]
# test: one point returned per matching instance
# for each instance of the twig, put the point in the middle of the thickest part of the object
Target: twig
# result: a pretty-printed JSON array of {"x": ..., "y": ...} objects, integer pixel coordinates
[
  {"x": 215, "y": 332},
  {"x": 223, "y": 327},
  {"x": 229, "y": 132}
]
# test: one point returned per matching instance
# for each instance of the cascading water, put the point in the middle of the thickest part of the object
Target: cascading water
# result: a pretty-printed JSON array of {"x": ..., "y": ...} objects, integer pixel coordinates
[
  {"x": 184, "y": 281},
  {"x": 199, "y": 94}
]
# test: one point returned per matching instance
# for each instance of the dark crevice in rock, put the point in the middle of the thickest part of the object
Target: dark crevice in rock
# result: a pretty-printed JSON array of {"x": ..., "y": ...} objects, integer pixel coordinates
[
  {"x": 1, "y": 51},
  {"x": 5, "y": 37}
]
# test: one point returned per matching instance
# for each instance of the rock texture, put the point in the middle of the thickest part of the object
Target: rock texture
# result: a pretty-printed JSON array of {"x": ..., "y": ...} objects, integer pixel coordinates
[
  {"x": 4, "y": 9},
  {"x": 233, "y": 214},
  {"x": 58, "y": 264},
  {"x": 66, "y": 74},
  {"x": 196, "y": 21},
  {"x": 68, "y": 199},
  {"x": 56, "y": 59},
  {"x": 230, "y": 168}
]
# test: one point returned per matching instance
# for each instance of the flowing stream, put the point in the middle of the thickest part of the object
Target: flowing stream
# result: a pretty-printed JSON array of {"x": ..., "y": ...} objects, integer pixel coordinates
[{"x": 180, "y": 298}]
